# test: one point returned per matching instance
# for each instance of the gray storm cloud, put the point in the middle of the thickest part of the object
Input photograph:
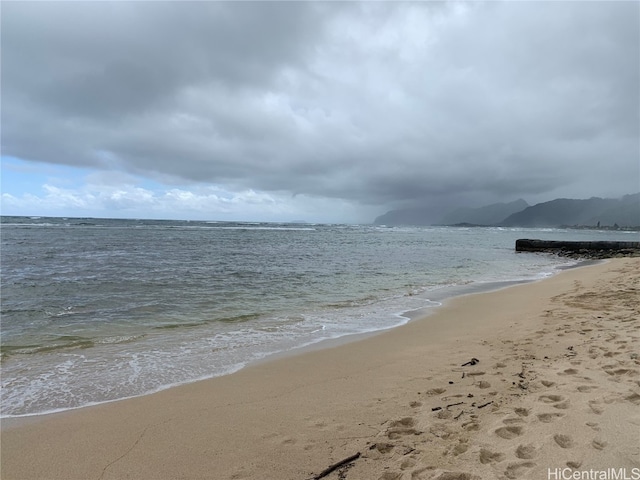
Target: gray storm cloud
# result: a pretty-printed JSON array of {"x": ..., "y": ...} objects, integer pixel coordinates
[{"x": 384, "y": 104}]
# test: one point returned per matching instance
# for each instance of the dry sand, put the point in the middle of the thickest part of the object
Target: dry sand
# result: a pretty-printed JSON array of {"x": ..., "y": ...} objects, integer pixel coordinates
[{"x": 557, "y": 386}]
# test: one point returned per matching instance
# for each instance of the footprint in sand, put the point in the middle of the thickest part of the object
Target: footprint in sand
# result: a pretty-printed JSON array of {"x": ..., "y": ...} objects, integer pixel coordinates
[
  {"x": 564, "y": 441},
  {"x": 516, "y": 470},
  {"x": 471, "y": 426},
  {"x": 633, "y": 398},
  {"x": 484, "y": 384},
  {"x": 487, "y": 456},
  {"x": 442, "y": 430},
  {"x": 595, "y": 407},
  {"x": 436, "y": 391},
  {"x": 621, "y": 371},
  {"x": 512, "y": 420},
  {"x": 547, "y": 383},
  {"x": 556, "y": 401},
  {"x": 391, "y": 476},
  {"x": 523, "y": 412},
  {"x": 444, "y": 414},
  {"x": 512, "y": 431},
  {"x": 382, "y": 447},
  {"x": 599, "y": 444},
  {"x": 455, "y": 476},
  {"x": 461, "y": 447},
  {"x": 551, "y": 398},
  {"x": 526, "y": 452},
  {"x": 407, "y": 463},
  {"x": 549, "y": 417},
  {"x": 586, "y": 388},
  {"x": 569, "y": 371},
  {"x": 402, "y": 427},
  {"x": 403, "y": 422}
]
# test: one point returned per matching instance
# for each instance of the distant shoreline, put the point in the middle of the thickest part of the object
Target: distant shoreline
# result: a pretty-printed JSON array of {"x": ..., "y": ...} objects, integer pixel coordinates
[{"x": 606, "y": 228}]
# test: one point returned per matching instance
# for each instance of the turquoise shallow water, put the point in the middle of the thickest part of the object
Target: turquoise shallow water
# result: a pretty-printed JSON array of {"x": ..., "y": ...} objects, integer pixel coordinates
[{"x": 96, "y": 310}]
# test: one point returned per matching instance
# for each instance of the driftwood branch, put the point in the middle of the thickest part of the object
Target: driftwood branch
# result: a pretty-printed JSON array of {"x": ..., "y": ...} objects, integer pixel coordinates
[
  {"x": 335, "y": 466},
  {"x": 473, "y": 361}
]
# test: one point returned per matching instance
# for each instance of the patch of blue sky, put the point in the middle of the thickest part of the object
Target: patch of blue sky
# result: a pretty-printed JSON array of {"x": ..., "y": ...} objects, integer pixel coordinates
[{"x": 20, "y": 177}]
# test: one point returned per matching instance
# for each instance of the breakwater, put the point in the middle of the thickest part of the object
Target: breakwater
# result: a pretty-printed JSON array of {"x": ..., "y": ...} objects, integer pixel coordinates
[{"x": 595, "y": 249}]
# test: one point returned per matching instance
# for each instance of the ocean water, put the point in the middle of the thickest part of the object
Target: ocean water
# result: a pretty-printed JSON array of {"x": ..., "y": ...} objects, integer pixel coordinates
[{"x": 96, "y": 310}]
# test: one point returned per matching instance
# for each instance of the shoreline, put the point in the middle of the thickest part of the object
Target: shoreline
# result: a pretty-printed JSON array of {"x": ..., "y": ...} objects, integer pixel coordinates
[
  {"x": 292, "y": 417},
  {"x": 439, "y": 297}
]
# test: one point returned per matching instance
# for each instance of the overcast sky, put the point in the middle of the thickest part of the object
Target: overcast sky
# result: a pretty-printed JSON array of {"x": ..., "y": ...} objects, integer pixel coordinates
[{"x": 318, "y": 111}]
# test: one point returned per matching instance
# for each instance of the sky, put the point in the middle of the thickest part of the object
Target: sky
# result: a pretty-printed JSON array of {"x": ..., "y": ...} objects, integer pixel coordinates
[{"x": 314, "y": 111}]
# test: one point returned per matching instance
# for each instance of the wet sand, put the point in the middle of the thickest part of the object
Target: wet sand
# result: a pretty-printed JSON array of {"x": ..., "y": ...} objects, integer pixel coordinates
[{"x": 556, "y": 385}]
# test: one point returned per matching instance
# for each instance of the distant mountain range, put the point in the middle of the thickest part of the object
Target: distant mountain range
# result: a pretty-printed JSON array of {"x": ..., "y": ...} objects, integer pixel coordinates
[
  {"x": 603, "y": 212},
  {"x": 489, "y": 215}
]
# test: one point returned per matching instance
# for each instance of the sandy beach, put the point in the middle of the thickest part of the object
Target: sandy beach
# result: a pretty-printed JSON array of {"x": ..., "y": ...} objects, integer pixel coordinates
[{"x": 534, "y": 381}]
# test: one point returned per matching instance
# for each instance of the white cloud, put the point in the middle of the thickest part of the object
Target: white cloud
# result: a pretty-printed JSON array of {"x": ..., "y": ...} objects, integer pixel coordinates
[{"x": 204, "y": 203}]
